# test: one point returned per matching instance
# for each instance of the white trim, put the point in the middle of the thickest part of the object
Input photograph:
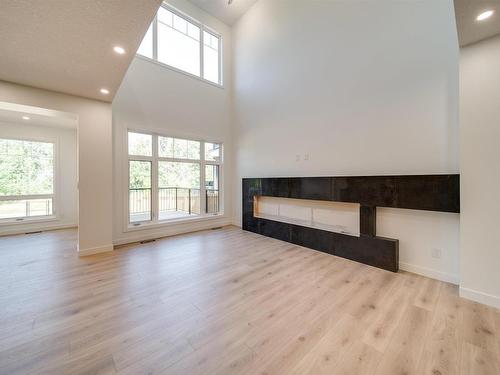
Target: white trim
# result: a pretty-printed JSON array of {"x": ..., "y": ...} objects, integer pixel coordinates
[
  {"x": 144, "y": 225},
  {"x": 429, "y": 272},
  {"x": 26, "y": 220},
  {"x": 32, "y": 227},
  {"x": 173, "y": 230},
  {"x": 484, "y": 298},
  {"x": 95, "y": 250}
]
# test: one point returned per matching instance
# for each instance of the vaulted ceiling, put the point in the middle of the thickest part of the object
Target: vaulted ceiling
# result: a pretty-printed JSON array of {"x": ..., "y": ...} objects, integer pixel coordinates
[
  {"x": 67, "y": 45},
  {"x": 227, "y": 12}
]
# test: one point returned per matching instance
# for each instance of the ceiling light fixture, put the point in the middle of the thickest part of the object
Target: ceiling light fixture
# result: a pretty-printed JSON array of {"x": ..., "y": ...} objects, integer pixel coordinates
[
  {"x": 104, "y": 91},
  {"x": 26, "y": 117},
  {"x": 119, "y": 50},
  {"x": 484, "y": 15}
]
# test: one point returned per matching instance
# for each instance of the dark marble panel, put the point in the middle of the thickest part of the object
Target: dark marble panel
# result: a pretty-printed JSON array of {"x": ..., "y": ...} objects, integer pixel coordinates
[
  {"x": 374, "y": 251},
  {"x": 275, "y": 187},
  {"x": 369, "y": 191},
  {"x": 274, "y": 229},
  {"x": 368, "y": 220},
  {"x": 318, "y": 188},
  {"x": 428, "y": 192},
  {"x": 313, "y": 238},
  {"x": 250, "y": 223}
]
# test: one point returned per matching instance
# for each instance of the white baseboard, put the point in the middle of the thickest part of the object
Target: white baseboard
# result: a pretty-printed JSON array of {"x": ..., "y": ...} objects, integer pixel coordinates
[
  {"x": 429, "y": 272},
  {"x": 150, "y": 234},
  {"x": 95, "y": 250},
  {"x": 33, "y": 227},
  {"x": 484, "y": 298}
]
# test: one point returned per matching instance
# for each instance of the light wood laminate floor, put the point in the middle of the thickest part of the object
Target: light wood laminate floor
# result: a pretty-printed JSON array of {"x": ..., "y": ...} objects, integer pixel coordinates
[{"x": 229, "y": 302}]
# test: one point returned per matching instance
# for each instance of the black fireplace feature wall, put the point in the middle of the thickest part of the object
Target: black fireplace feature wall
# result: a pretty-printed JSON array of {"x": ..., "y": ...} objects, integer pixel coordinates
[{"x": 418, "y": 192}]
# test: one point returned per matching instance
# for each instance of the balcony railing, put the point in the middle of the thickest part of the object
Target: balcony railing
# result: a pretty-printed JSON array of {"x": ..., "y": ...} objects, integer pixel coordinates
[
  {"x": 173, "y": 202},
  {"x": 21, "y": 207}
]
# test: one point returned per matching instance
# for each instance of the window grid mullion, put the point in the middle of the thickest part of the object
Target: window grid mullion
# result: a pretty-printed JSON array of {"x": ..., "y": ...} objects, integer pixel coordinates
[
  {"x": 202, "y": 65},
  {"x": 155, "y": 38},
  {"x": 203, "y": 195},
  {"x": 155, "y": 202}
]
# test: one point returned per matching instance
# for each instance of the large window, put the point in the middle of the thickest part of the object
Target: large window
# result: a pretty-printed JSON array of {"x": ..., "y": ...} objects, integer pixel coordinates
[
  {"x": 183, "y": 43},
  {"x": 26, "y": 179},
  {"x": 172, "y": 178}
]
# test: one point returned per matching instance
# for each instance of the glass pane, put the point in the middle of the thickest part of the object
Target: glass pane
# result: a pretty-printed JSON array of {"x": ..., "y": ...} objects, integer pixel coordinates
[
  {"x": 165, "y": 16},
  {"x": 180, "y": 24},
  {"x": 194, "y": 31},
  {"x": 212, "y": 177},
  {"x": 26, "y": 167},
  {"x": 146, "y": 47},
  {"x": 193, "y": 150},
  {"x": 213, "y": 151},
  {"x": 212, "y": 189},
  {"x": 178, "y": 148},
  {"x": 178, "y": 189},
  {"x": 26, "y": 208},
  {"x": 210, "y": 57},
  {"x": 180, "y": 46},
  {"x": 140, "y": 144},
  {"x": 166, "y": 147},
  {"x": 139, "y": 190}
]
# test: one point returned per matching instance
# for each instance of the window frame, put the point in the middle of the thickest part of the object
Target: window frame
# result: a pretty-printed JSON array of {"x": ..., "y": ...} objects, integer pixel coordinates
[
  {"x": 55, "y": 186},
  {"x": 155, "y": 159},
  {"x": 203, "y": 28}
]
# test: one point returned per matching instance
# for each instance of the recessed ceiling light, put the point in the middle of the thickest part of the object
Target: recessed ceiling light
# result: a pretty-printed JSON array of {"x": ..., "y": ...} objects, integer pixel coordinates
[
  {"x": 119, "y": 50},
  {"x": 104, "y": 91},
  {"x": 484, "y": 15},
  {"x": 26, "y": 117}
]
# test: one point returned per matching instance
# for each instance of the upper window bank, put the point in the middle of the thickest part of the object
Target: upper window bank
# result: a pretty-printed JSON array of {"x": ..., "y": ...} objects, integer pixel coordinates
[{"x": 183, "y": 43}]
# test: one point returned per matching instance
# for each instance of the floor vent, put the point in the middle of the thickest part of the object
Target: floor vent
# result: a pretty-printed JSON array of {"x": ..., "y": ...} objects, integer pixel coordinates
[
  {"x": 216, "y": 228},
  {"x": 147, "y": 241},
  {"x": 35, "y": 232}
]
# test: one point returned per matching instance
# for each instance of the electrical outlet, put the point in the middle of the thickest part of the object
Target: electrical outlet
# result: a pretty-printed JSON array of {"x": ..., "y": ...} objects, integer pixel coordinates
[
  {"x": 436, "y": 253},
  {"x": 306, "y": 156},
  {"x": 297, "y": 157}
]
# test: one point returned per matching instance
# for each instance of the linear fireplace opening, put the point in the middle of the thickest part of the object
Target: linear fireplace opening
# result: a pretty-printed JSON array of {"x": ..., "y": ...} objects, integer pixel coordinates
[{"x": 338, "y": 217}]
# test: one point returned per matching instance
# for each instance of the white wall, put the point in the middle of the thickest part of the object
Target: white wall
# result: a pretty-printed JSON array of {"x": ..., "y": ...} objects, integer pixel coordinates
[
  {"x": 94, "y": 159},
  {"x": 155, "y": 98},
  {"x": 480, "y": 171},
  {"x": 66, "y": 184},
  {"x": 357, "y": 88}
]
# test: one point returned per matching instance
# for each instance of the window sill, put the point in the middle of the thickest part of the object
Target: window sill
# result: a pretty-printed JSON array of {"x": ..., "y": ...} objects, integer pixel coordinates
[
  {"x": 166, "y": 223},
  {"x": 148, "y": 59},
  {"x": 43, "y": 219}
]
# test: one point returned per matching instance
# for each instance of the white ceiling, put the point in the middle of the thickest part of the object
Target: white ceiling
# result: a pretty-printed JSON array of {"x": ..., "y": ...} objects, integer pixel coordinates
[
  {"x": 469, "y": 29},
  {"x": 66, "y": 45},
  {"x": 224, "y": 12}
]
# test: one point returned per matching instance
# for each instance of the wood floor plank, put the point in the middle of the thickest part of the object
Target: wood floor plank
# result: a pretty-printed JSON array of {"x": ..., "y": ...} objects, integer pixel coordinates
[
  {"x": 478, "y": 361},
  {"x": 229, "y": 302},
  {"x": 403, "y": 353}
]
